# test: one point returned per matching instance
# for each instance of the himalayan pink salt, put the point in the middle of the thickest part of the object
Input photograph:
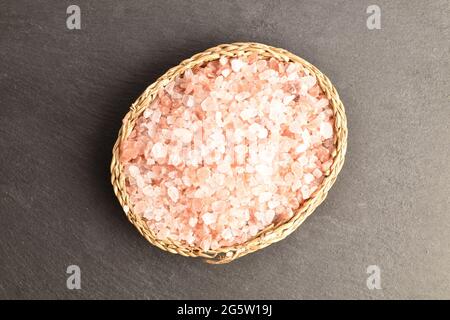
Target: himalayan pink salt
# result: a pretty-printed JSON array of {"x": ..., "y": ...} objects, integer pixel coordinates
[
  {"x": 228, "y": 148},
  {"x": 192, "y": 221},
  {"x": 236, "y": 65},
  {"x": 159, "y": 150},
  {"x": 203, "y": 173},
  {"x": 173, "y": 194},
  {"x": 184, "y": 135},
  {"x": 308, "y": 178},
  {"x": 264, "y": 196},
  {"x": 326, "y": 130},
  {"x": 317, "y": 173},
  {"x": 227, "y": 234},
  {"x": 208, "y": 218}
]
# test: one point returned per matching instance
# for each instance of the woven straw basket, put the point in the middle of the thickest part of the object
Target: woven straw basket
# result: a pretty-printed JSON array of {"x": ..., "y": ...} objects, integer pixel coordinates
[{"x": 272, "y": 233}]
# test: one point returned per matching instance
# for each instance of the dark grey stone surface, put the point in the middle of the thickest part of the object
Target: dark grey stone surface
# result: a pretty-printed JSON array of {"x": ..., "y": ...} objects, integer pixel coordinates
[{"x": 64, "y": 92}]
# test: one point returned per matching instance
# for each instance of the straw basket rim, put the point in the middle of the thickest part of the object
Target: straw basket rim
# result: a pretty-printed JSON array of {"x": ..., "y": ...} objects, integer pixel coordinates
[{"x": 272, "y": 233}]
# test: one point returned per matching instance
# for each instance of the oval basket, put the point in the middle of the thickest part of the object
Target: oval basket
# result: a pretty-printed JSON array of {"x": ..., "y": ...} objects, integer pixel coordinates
[{"x": 272, "y": 233}]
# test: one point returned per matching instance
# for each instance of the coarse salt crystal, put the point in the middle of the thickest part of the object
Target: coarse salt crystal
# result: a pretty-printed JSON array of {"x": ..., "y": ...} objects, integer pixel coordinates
[
  {"x": 193, "y": 221},
  {"x": 147, "y": 113},
  {"x": 226, "y": 72},
  {"x": 268, "y": 216},
  {"x": 227, "y": 234},
  {"x": 242, "y": 95},
  {"x": 134, "y": 171},
  {"x": 262, "y": 133},
  {"x": 183, "y": 134},
  {"x": 296, "y": 185},
  {"x": 173, "y": 193},
  {"x": 159, "y": 150},
  {"x": 189, "y": 101},
  {"x": 306, "y": 192},
  {"x": 308, "y": 178},
  {"x": 273, "y": 204},
  {"x": 156, "y": 116},
  {"x": 265, "y": 196},
  {"x": 248, "y": 113},
  {"x": 301, "y": 148},
  {"x": 236, "y": 65},
  {"x": 326, "y": 130},
  {"x": 263, "y": 169},
  {"x": 317, "y": 173},
  {"x": 223, "y": 60},
  {"x": 209, "y": 218},
  {"x": 219, "y": 120}
]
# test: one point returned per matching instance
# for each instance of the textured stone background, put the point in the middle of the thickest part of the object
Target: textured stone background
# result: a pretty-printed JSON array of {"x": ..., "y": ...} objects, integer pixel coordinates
[{"x": 63, "y": 94}]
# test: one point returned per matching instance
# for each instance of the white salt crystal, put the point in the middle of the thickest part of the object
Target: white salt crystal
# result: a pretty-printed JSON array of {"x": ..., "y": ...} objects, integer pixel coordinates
[
  {"x": 273, "y": 204},
  {"x": 236, "y": 65},
  {"x": 227, "y": 234},
  {"x": 265, "y": 196},
  {"x": 192, "y": 221},
  {"x": 326, "y": 130},
  {"x": 301, "y": 148},
  {"x": 248, "y": 113},
  {"x": 159, "y": 150},
  {"x": 226, "y": 72},
  {"x": 134, "y": 171},
  {"x": 242, "y": 96},
  {"x": 268, "y": 216},
  {"x": 288, "y": 99},
  {"x": 156, "y": 116},
  {"x": 173, "y": 193},
  {"x": 264, "y": 169},
  {"x": 209, "y": 218},
  {"x": 183, "y": 134},
  {"x": 219, "y": 121},
  {"x": 308, "y": 178},
  {"x": 189, "y": 101},
  {"x": 223, "y": 60}
]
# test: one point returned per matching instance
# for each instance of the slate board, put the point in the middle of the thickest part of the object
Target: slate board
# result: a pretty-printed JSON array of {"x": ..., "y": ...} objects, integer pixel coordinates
[{"x": 64, "y": 92}]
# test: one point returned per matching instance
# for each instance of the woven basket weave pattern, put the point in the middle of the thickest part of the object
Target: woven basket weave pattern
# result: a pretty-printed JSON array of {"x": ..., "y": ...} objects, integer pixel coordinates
[{"x": 272, "y": 233}]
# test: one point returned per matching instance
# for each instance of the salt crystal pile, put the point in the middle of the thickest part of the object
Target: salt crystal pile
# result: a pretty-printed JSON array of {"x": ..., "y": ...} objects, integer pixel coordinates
[{"x": 227, "y": 149}]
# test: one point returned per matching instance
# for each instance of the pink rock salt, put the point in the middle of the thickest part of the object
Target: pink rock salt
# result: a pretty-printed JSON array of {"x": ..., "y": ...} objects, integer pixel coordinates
[{"x": 227, "y": 149}]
